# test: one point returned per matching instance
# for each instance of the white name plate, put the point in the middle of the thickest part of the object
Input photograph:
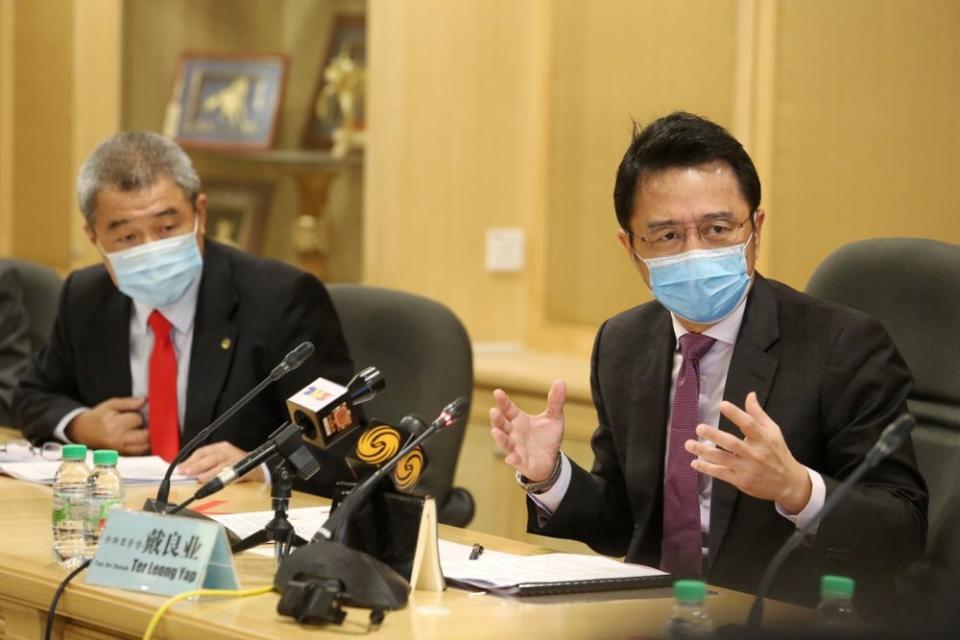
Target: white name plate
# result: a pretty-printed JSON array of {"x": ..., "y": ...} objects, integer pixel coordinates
[{"x": 162, "y": 554}]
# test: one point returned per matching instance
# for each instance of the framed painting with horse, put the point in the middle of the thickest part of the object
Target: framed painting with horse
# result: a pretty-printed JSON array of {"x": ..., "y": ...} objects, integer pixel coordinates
[{"x": 226, "y": 101}]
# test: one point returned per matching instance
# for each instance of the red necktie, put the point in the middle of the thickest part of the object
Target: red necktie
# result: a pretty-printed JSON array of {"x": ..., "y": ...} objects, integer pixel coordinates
[
  {"x": 680, "y": 551},
  {"x": 162, "y": 390}
]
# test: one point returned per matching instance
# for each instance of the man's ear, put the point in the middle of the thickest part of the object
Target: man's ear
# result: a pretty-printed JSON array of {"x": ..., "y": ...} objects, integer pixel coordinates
[
  {"x": 635, "y": 260},
  {"x": 200, "y": 206},
  {"x": 759, "y": 217},
  {"x": 624, "y": 239},
  {"x": 91, "y": 234}
]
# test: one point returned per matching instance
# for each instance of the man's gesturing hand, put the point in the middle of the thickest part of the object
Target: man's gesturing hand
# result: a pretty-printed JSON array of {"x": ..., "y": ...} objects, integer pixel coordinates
[
  {"x": 760, "y": 464},
  {"x": 532, "y": 443}
]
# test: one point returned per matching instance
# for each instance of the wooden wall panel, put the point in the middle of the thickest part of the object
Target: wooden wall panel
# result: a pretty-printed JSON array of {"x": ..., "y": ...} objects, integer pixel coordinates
[
  {"x": 612, "y": 62},
  {"x": 451, "y": 88},
  {"x": 867, "y": 141}
]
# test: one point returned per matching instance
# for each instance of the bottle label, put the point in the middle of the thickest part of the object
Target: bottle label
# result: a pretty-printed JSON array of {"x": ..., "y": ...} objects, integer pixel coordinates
[
  {"x": 66, "y": 508},
  {"x": 98, "y": 510}
]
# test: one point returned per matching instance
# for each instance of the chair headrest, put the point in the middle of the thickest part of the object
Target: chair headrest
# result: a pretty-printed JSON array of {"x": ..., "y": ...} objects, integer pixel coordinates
[{"x": 912, "y": 286}]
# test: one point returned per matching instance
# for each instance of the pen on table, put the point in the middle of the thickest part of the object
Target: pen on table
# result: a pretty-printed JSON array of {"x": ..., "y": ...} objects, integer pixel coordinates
[{"x": 476, "y": 551}]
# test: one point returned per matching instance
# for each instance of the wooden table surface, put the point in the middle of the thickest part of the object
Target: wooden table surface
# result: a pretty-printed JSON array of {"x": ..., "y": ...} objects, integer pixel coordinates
[{"x": 28, "y": 578}]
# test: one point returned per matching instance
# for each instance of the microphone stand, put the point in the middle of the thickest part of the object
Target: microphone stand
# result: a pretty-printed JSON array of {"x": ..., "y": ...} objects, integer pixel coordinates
[
  {"x": 278, "y": 530},
  {"x": 306, "y": 578},
  {"x": 160, "y": 504},
  {"x": 335, "y": 528},
  {"x": 286, "y": 442},
  {"x": 290, "y": 362},
  {"x": 755, "y": 618},
  {"x": 296, "y": 460}
]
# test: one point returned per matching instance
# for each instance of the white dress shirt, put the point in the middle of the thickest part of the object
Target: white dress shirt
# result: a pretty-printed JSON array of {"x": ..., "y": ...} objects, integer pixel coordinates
[{"x": 713, "y": 379}]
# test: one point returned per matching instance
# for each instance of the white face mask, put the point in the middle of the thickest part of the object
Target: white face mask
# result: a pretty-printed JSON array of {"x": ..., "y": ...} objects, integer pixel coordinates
[{"x": 158, "y": 273}]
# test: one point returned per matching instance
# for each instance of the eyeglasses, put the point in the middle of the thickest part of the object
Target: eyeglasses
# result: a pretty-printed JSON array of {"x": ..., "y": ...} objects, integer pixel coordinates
[
  {"x": 21, "y": 450},
  {"x": 715, "y": 233}
]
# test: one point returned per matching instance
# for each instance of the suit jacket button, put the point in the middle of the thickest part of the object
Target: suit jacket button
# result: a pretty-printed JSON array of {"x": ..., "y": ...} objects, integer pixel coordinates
[{"x": 225, "y": 344}]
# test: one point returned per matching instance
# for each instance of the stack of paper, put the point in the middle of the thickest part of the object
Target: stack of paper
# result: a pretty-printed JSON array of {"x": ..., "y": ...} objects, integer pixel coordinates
[
  {"x": 306, "y": 521},
  {"x": 134, "y": 470},
  {"x": 495, "y": 570}
]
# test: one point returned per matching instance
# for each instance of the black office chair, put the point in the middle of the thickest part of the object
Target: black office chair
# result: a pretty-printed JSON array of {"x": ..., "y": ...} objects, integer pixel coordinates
[
  {"x": 41, "y": 294},
  {"x": 39, "y": 287},
  {"x": 912, "y": 286},
  {"x": 425, "y": 356}
]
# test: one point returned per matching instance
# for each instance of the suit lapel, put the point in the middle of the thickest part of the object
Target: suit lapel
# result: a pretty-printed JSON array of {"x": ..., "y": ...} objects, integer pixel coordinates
[
  {"x": 646, "y": 438},
  {"x": 751, "y": 369},
  {"x": 108, "y": 344},
  {"x": 214, "y": 337}
]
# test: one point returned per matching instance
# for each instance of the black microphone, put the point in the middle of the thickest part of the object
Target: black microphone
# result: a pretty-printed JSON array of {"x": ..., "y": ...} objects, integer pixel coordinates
[
  {"x": 335, "y": 527},
  {"x": 892, "y": 437},
  {"x": 287, "y": 441},
  {"x": 364, "y": 387},
  {"x": 290, "y": 362}
]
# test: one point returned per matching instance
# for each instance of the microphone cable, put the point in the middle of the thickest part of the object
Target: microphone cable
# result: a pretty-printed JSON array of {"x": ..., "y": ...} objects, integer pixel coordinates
[
  {"x": 48, "y": 630},
  {"x": 228, "y": 593}
]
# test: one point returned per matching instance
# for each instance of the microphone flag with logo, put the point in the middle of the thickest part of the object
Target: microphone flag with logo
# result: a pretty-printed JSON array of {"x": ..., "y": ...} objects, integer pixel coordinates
[
  {"x": 324, "y": 410},
  {"x": 380, "y": 443}
]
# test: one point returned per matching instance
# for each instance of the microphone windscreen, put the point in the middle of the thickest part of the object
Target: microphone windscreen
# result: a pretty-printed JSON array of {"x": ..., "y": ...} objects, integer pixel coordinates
[
  {"x": 292, "y": 360},
  {"x": 413, "y": 424},
  {"x": 299, "y": 355}
]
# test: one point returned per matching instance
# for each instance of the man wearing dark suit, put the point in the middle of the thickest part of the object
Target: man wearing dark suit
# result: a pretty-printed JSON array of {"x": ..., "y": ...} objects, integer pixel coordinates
[
  {"x": 14, "y": 339},
  {"x": 172, "y": 329},
  {"x": 683, "y": 478}
]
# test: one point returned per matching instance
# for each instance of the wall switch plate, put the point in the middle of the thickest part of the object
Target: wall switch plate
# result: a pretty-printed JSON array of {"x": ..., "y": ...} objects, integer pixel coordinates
[{"x": 505, "y": 250}]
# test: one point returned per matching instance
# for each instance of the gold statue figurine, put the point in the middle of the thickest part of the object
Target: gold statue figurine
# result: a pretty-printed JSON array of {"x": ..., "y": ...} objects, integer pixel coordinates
[{"x": 344, "y": 80}]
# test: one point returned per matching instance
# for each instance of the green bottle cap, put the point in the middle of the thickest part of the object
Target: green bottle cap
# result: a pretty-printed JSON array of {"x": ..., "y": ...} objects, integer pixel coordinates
[
  {"x": 105, "y": 456},
  {"x": 836, "y": 587},
  {"x": 74, "y": 452},
  {"x": 690, "y": 591}
]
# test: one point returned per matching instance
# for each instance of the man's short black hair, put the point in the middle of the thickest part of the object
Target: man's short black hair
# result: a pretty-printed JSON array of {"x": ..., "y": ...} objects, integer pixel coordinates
[{"x": 680, "y": 140}]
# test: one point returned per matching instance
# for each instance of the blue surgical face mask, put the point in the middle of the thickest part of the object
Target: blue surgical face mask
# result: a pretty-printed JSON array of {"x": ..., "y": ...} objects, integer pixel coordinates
[
  {"x": 702, "y": 286},
  {"x": 158, "y": 273}
]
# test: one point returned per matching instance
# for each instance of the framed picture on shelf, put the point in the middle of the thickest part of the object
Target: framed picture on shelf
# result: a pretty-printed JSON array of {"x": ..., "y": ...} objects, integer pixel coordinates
[
  {"x": 237, "y": 212},
  {"x": 226, "y": 101},
  {"x": 335, "y": 118}
]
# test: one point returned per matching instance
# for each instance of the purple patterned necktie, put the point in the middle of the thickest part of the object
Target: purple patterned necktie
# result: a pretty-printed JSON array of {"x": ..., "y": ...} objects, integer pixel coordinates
[{"x": 681, "y": 551}]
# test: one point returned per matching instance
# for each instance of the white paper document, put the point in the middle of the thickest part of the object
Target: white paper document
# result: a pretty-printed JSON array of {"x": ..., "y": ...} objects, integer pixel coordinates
[
  {"x": 134, "y": 470},
  {"x": 497, "y": 570},
  {"x": 306, "y": 521}
]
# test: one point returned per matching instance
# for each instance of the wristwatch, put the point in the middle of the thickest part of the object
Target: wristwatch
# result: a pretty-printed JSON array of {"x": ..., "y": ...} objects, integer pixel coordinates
[{"x": 543, "y": 485}]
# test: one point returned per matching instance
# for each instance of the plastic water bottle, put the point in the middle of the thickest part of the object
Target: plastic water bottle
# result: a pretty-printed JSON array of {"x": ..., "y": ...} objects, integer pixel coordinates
[
  {"x": 105, "y": 492},
  {"x": 69, "y": 506},
  {"x": 835, "y": 610},
  {"x": 689, "y": 619}
]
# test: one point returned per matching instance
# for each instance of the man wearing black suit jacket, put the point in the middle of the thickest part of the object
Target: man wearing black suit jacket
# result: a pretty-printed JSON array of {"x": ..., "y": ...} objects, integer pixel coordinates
[
  {"x": 231, "y": 318},
  {"x": 817, "y": 384}
]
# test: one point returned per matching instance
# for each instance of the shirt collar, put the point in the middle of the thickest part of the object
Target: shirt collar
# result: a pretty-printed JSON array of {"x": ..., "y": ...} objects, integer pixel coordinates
[
  {"x": 725, "y": 331},
  {"x": 179, "y": 313}
]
